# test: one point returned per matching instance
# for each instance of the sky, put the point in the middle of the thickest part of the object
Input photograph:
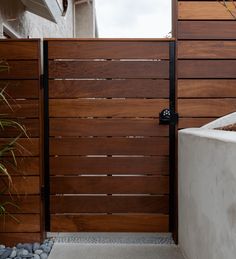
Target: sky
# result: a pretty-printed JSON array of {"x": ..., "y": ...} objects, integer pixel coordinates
[{"x": 133, "y": 18}]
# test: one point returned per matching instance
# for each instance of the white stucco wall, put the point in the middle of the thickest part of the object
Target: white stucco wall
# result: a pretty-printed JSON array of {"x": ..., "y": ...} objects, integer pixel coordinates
[
  {"x": 26, "y": 24},
  {"x": 207, "y": 193}
]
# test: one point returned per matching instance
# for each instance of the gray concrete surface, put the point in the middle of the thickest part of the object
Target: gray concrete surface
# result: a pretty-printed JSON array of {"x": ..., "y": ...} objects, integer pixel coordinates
[{"x": 114, "y": 251}]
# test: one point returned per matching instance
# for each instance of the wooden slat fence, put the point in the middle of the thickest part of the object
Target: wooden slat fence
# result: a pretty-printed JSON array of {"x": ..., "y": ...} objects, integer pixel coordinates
[
  {"x": 22, "y": 84},
  {"x": 108, "y": 153}
]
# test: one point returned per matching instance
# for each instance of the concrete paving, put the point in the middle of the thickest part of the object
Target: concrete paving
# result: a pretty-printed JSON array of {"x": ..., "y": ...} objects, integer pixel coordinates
[{"x": 114, "y": 251}]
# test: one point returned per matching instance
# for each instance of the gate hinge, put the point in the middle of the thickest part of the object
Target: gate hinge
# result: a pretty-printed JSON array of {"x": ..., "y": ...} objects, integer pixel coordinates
[
  {"x": 41, "y": 81},
  {"x": 168, "y": 117}
]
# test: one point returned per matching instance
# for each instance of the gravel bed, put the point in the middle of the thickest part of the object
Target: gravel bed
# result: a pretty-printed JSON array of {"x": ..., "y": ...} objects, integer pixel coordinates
[{"x": 27, "y": 250}]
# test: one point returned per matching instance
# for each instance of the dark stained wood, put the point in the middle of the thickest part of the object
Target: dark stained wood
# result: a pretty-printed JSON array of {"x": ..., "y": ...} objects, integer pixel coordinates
[
  {"x": 72, "y": 165},
  {"x": 109, "y": 146},
  {"x": 31, "y": 127},
  {"x": 207, "y": 49},
  {"x": 109, "y": 69},
  {"x": 222, "y": 30},
  {"x": 19, "y": 49},
  {"x": 26, "y": 204},
  {"x": 193, "y": 122},
  {"x": 25, "y": 166},
  {"x": 206, "y": 107},
  {"x": 108, "y": 185},
  {"x": 129, "y": 88},
  {"x": 110, "y": 223},
  {"x": 27, "y": 69},
  {"x": 21, "y": 88},
  {"x": 106, "y": 107},
  {"x": 207, "y": 69},
  {"x": 195, "y": 88},
  {"x": 23, "y": 146},
  {"x": 205, "y": 10},
  {"x": 106, "y": 127},
  {"x": 26, "y": 223},
  {"x": 20, "y": 108},
  {"x": 12, "y": 239},
  {"x": 110, "y": 204},
  {"x": 107, "y": 50},
  {"x": 21, "y": 185}
]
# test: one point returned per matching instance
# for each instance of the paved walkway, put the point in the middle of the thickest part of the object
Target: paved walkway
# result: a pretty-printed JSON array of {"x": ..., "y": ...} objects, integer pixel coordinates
[{"x": 114, "y": 251}]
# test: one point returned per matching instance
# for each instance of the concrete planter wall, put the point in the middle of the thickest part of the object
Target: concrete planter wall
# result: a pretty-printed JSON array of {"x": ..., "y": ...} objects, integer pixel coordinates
[{"x": 207, "y": 191}]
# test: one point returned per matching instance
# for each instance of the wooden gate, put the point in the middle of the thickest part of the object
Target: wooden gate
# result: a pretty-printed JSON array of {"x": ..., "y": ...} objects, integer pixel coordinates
[{"x": 109, "y": 156}]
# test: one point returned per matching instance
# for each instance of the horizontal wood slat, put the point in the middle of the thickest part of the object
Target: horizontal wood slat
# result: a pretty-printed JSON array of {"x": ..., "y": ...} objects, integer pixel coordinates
[
  {"x": 107, "y": 50},
  {"x": 110, "y": 223},
  {"x": 19, "y": 49},
  {"x": 21, "y": 185},
  {"x": 197, "y": 88},
  {"x": 207, "y": 69},
  {"x": 106, "y": 127},
  {"x": 30, "y": 125},
  {"x": 109, "y": 146},
  {"x": 106, "y": 108},
  {"x": 26, "y": 223},
  {"x": 205, "y": 10},
  {"x": 206, "y": 49},
  {"x": 206, "y": 107},
  {"x": 129, "y": 88},
  {"x": 12, "y": 239},
  {"x": 20, "y": 109},
  {"x": 64, "y": 165},
  {"x": 21, "y": 70},
  {"x": 193, "y": 122},
  {"x": 110, "y": 204},
  {"x": 110, "y": 185},
  {"x": 109, "y": 69},
  {"x": 222, "y": 30},
  {"x": 26, "y": 204},
  {"x": 23, "y": 146},
  {"x": 25, "y": 166}
]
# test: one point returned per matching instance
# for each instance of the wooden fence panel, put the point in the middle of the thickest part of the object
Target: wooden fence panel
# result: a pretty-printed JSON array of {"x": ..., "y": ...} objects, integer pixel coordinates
[{"x": 23, "y": 89}]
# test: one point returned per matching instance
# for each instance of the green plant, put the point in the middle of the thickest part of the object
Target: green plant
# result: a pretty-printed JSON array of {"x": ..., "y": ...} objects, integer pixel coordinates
[{"x": 7, "y": 149}]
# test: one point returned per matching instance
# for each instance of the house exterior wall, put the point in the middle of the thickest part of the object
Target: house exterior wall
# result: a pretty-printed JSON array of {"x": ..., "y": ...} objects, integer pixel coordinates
[{"x": 26, "y": 24}]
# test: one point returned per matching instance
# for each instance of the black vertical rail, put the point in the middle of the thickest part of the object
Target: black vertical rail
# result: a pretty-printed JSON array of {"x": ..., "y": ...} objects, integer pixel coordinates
[
  {"x": 46, "y": 140},
  {"x": 172, "y": 141}
]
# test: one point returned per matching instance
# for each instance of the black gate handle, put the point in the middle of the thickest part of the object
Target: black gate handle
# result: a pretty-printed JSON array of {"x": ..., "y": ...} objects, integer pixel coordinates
[{"x": 166, "y": 117}]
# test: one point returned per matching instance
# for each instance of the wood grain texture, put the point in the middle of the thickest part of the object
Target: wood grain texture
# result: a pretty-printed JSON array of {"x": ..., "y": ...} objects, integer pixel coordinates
[
  {"x": 110, "y": 204},
  {"x": 205, "y": 10},
  {"x": 106, "y": 107},
  {"x": 21, "y": 185},
  {"x": 110, "y": 185},
  {"x": 206, "y": 107},
  {"x": 12, "y": 239},
  {"x": 27, "y": 69},
  {"x": 110, "y": 223},
  {"x": 20, "y": 109},
  {"x": 19, "y": 50},
  {"x": 107, "y": 50},
  {"x": 109, "y": 146},
  {"x": 207, "y": 49},
  {"x": 26, "y": 204},
  {"x": 21, "y": 88},
  {"x": 207, "y": 69},
  {"x": 106, "y": 127},
  {"x": 26, "y": 223},
  {"x": 109, "y": 69},
  {"x": 72, "y": 165},
  {"x": 196, "y": 88},
  {"x": 221, "y": 30},
  {"x": 128, "y": 88},
  {"x": 193, "y": 122}
]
